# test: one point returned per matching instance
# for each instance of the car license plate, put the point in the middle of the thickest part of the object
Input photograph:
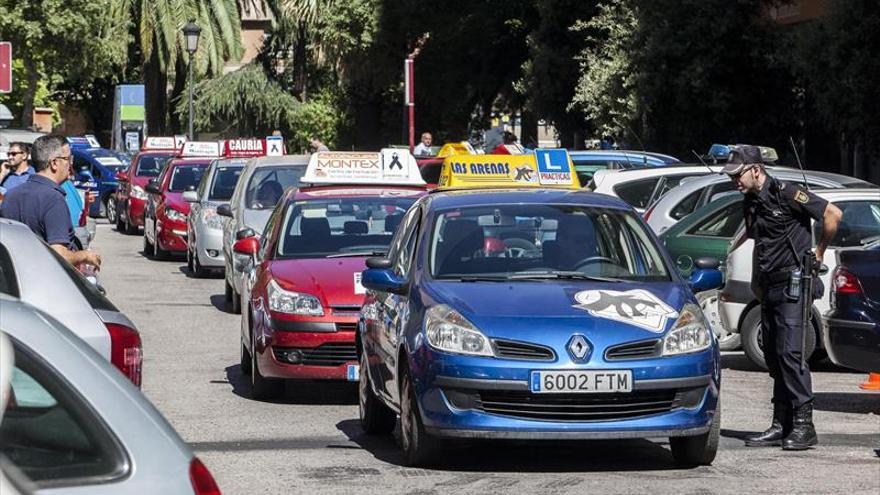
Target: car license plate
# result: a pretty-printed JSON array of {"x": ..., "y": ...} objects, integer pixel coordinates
[
  {"x": 352, "y": 373},
  {"x": 594, "y": 381}
]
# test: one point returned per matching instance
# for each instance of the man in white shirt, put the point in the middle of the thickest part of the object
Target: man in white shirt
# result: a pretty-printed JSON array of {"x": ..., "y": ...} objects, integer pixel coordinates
[{"x": 424, "y": 147}]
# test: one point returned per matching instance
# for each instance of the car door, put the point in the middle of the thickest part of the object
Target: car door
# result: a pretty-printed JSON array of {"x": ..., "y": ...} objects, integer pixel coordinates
[
  {"x": 153, "y": 205},
  {"x": 392, "y": 310}
]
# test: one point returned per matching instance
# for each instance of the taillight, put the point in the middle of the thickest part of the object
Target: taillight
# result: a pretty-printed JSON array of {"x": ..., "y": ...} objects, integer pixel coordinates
[
  {"x": 126, "y": 352},
  {"x": 844, "y": 282},
  {"x": 202, "y": 481}
]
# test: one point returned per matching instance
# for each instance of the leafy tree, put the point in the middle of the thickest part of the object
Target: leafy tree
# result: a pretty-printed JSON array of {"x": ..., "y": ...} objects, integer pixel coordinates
[{"x": 75, "y": 41}]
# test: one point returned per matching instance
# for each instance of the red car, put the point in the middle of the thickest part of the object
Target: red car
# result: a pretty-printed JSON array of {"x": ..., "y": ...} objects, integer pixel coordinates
[
  {"x": 131, "y": 195},
  {"x": 165, "y": 212},
  {"x": 305, "y": 299}
]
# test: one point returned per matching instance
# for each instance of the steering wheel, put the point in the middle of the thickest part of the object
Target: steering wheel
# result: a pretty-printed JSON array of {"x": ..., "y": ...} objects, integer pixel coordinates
[
  {"x": 516, "y": 247},
  {"x": 594, "y": 259}
]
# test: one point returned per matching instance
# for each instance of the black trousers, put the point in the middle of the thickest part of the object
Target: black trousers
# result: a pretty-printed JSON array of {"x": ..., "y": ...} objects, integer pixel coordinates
[{"x": 782, "y": 336}]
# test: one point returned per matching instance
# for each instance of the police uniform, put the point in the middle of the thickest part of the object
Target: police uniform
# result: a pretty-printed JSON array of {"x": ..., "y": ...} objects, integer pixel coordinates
[{"x": 778, "y": 218}]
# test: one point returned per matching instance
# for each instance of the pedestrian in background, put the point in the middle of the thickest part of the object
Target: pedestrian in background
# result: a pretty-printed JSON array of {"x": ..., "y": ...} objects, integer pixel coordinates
[
  {"x": 424, "y": 146},
  {"x": 40, "y": 202},
  {"x": 777, "y": 217},
  {"x": 16, "y": 170},
  {"x": 509, "y": 146},
  {"x": 317, "y": 145}
]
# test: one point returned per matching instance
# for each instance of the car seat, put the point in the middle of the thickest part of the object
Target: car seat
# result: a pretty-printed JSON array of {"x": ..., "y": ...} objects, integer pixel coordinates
[
  {"x": 461, "y": 239},
  {"x": 355, "y": 227},
  {"x": 575, "y": 241}
]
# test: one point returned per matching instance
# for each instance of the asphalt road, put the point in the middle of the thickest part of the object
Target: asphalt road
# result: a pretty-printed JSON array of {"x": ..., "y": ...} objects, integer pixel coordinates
[{"x": 311, "y": 441}]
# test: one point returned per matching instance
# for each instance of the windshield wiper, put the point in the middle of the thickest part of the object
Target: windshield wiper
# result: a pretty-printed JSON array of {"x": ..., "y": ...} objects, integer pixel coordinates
[
  {"x": 357, "y": 253},
  {"x": 562, "y": 275},
  {"x": 476, "y": 278}
]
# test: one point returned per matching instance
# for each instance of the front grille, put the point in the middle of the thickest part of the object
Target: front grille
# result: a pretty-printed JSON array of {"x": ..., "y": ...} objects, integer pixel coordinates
[
  {"x": 576, "y": 407},
  {"x": 634, "y": 350},
  {"x": 330, "y": 354},
  {"x": 346, "y": 327},
  {"x": 520, "y": 350}
]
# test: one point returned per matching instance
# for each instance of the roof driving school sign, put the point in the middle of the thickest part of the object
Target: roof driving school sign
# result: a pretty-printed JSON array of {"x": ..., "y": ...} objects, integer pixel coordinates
[
  {"x": 387, "y": 167},
  {"x": 545, "y": 168}
]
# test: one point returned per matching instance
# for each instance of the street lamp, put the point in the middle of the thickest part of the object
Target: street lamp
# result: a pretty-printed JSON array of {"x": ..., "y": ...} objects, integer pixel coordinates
[{"x": 191, "y": 33}]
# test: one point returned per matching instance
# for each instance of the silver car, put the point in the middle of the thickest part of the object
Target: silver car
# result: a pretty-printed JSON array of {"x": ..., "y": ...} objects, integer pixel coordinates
[
  {"x": 260, "y": 187},
  {"x": 28, "y": 266},
  {"x": 204, "y": 227},
  {"x": 74, "y": 424},
  {"x": 695, "y": 192}
]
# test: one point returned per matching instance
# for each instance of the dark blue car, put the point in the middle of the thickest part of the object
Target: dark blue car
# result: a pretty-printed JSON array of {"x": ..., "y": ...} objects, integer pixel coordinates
[
  {"x": 95, "y": 169},
  {"x": 535, "y": 314},
  {"x": 853, "y": 323}
]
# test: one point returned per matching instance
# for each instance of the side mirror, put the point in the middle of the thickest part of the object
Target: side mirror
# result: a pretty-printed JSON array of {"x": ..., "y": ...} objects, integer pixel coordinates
[
  {"x": 245, "y": 233},
  {"x": 381, "y": 263},
  {"x": 152, "y": 187},
  {"x": 121, "y": 177},
  {"x": 249, "y": 246},
  {"x": 383, "y": 280},
  {"x": 703, "y": 279},
  {"x": 707, "y": 263},
  {"x": 224, "y": 211},
  {"x": 190, "y": 197}
]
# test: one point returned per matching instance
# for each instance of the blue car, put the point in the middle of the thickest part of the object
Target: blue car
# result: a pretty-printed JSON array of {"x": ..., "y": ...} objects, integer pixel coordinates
[
  {"x": 587, "y": 162},
  {"x": 537, "y": 314},
  {"x": 96, "y": 168}
]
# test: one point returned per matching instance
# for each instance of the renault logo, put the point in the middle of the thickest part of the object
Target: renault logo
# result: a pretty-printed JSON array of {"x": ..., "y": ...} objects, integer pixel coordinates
[{"x": 579, "y": 348}]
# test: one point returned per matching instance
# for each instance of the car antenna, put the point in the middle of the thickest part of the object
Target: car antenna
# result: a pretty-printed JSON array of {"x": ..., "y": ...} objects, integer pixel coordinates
[
  {"x": 702, "y": 161},
  {"x": 641, "y": 144},
  {"x": 798, "y": 158}
]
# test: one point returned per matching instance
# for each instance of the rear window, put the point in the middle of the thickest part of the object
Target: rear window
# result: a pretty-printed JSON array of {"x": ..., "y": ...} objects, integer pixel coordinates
[
  {"x": 637, "y": 193},
  {"x": 686, "y": 206},
  {"x": 87, "y": 289},
  {"x": 723, "y": 223},
  {"x": 150, "y": 165},
  {"x": 8, "y": 282},
  {"x": 50, "y": 433}
]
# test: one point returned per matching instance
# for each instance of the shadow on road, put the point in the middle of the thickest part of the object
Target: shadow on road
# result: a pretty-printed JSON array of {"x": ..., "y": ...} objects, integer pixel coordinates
[
  {"x": 739, "y": 362},
  {"x": 212, "y": 274},
  {"x": 521, "y": 456},
  {"x": 301, "y": 392},
  {"x": 219, "y": 302},
  {"x": 847, "y": 402},
  {"x": 857, "y": 440}
]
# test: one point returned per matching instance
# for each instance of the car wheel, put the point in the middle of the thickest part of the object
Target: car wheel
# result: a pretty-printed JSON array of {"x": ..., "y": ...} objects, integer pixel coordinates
[
  {"x": 245, "y": 360},
  {"x": 148, "y": 247},
  {"x": 158, "y": 252},
  {"x": 376, "y": 417},
  {"x": 727, "y": 341},
  {"x": 236, "y": 302},
  {"x": 227, "y": 293},
  {"x": 699, "y": 450},
  {"x": 419, "y": 448},
  {"x": 753, "y": 338},
  {"x": 110, "y": 209},
  {"x": 189, "y": 261},
  {"x": 262, "y": 388},
  {"x": 197, "y": 269}
]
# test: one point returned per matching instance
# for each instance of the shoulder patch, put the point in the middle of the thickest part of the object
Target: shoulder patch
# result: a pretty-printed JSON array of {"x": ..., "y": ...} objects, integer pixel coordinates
[{"x": 801, "y": 197}]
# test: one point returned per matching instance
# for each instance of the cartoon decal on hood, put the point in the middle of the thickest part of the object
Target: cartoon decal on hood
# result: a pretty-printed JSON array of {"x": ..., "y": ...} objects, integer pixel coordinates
[{"x": 635, "y": 307}]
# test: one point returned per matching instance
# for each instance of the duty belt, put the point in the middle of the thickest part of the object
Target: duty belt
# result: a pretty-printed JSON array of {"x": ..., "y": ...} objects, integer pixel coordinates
[{"x": 777, "y": 276}]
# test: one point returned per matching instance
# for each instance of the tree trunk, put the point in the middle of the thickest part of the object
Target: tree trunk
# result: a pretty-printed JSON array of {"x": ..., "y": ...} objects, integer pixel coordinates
[
  {"x": 156, "y": 97},
  {"x": 30, "y": 92},
  {"x": 529, "y": 127}
]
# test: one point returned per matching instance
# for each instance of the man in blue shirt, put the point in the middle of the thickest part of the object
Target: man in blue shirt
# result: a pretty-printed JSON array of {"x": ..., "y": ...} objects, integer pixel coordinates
[
  {"x": 39, "y": 203},
  {"x": 16, "y": 170}
]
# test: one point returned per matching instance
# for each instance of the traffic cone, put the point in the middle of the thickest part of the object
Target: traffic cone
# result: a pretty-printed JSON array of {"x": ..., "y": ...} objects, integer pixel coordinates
[{"x": 872, "y": 383}]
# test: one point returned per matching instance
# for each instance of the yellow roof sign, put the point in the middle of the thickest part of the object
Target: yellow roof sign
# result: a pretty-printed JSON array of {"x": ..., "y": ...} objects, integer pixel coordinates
[
  {"x": 545, "y": 168},
  {"x": 450, "y": 149}
]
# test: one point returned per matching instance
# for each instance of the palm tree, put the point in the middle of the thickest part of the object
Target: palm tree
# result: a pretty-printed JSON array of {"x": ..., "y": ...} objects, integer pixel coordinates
[{"x": 163, "y": 48}]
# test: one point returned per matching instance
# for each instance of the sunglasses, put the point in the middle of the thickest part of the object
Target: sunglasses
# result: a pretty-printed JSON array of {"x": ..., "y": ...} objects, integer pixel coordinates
[{"x": 13, "y": 153}]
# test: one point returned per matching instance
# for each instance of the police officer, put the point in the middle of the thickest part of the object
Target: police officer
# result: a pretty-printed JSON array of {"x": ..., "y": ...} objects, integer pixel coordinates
[
  {"x": 39, "y": 203},
  {"x": 778, "y": 218}
]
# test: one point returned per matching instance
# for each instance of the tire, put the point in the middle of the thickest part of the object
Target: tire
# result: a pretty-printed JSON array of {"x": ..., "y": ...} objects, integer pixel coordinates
[
  {"x": 148, "y": 247},
  {"x": 236, "y": 302},
  {"x": 727, "y": 341},
  {"x": 197, "y": 269},
  {"x": 189, "y": 261},
  {"x": 158, "y": 253},
  {"x": 376, "y": 417},
  {"x": 227, "y": 292},
  {"x": 752, "y": 340},
  {"x": 245, "y": 361},
  {"x": 262, "y": 388},
  {"x": 699, "y": 450},
  {"x": 419, "y": 448},
  {"x": 110, "y": 209}
]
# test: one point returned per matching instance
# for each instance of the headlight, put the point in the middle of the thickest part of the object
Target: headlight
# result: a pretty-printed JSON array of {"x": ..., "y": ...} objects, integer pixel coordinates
[
  {"x": 173, "y": 214},
  {"x": 212, "y": 219},
  {"x": 294, "y": 303},
  {"x": 447, "y": 330},
  {"x": 690, "y": 333},
  {"x": 137, "y": 192}
]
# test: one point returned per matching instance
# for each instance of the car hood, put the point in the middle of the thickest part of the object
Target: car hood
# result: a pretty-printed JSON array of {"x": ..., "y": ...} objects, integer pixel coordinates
[
  {"x": 175, "y": 200},
  {"x": 601, "y": 311},
  {"x": 331, "y": 280},
  {"x": 256, "y": 219}
]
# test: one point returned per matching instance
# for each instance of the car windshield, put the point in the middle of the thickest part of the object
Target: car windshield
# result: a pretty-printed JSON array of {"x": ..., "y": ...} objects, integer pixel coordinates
[
  {"x": 184, "y": 177},
  {"x": 267, "y": 185},
  {"x": 533, "y": 241},
  {"x": 340, "y": 227},
  {"x": 151, "y": 165},
  {"x": 223, "y": 182}
]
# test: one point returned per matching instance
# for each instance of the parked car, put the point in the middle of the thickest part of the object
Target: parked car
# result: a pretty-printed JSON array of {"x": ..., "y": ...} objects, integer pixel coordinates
[
  {"x": 740, "y": 310},
  {"x": 587, "y": 162},
  {"x": 165, "y": 212},
  {"x": 695, "y": 192},
  {"x": 204, "y": 227},
  {"x": 28, "y": 266},
  {"x": 852, "y": 336},
  {"x": 260, "y": 187},
  {"x": 640, "y": 187},
  {"x": 131, "y": 197},
  {"x": 96, "y": 167},
  {"x": 74, "y": 425}
]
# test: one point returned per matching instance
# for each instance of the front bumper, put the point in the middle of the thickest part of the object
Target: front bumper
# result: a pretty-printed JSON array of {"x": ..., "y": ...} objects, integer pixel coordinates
[
  {"x": 670, "y": 397},
  {"x": 209, "y": 246},
  {"x": 853, "y": 344},
  {"x": 171, "y": 236},
  {"x": 319, "y": 355}
]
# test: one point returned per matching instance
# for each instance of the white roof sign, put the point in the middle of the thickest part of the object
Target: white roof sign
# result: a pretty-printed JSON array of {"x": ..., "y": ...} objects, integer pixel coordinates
[
  {"x": 389, "y": 166},
  {"x": 208, "y": 149},
  {"x": 160, "y": 143}
]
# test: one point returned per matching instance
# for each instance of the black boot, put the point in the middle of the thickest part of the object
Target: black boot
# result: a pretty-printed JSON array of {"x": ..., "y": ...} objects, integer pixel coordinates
[
  {"x": 772, "y": 437},
  {"x": 803, "y": 434}
]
